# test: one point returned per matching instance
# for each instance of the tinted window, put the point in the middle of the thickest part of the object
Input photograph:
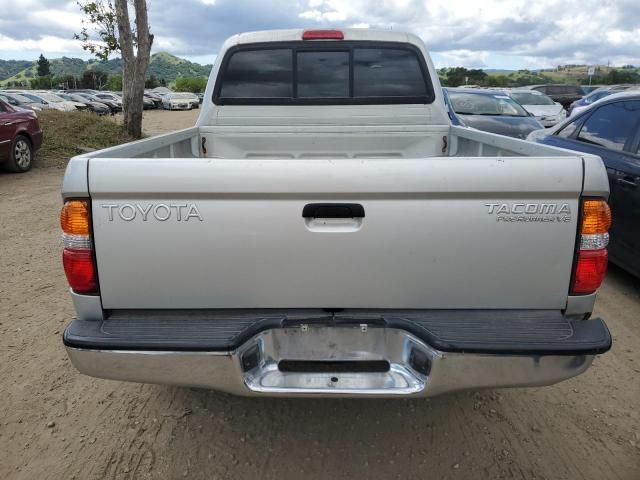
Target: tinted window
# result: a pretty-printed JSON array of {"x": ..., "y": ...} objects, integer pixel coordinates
[
  {"x": 569, "y": 130},
  {"x": 387, "y": 72},
  {"x": 592, "y": 97},
  {"x": 482, "y": 104},
  {"x": 611, "y": 125},
  {"x": 259, "y": 74},
  {"x": 330, "y": 73},
  {"x": 323, "y": 74}
]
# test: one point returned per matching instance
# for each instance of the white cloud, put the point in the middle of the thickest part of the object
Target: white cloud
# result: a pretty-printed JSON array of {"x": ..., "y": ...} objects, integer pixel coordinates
[
  {"x": 464, "y": 32},
  {"x": 44, "y": 44}
]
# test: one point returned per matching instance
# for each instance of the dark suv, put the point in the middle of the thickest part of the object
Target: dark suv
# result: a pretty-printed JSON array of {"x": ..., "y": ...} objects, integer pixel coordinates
[{"x": 563, "y": 94}]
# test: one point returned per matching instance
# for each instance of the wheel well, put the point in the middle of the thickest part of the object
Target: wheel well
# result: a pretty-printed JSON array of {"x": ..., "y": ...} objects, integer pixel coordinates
[{"x": 24, "y": 133}]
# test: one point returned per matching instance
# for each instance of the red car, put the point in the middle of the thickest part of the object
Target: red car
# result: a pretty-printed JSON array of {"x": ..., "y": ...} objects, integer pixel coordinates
[{"x": 20, "y": 137}]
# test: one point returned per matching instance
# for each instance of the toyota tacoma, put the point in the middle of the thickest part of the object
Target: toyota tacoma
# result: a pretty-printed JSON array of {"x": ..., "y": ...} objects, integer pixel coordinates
[{"x": 324, "y": 230}]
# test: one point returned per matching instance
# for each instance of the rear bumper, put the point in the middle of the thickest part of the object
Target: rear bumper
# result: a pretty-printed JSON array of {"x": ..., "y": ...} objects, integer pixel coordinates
[{"x": 331, "y": 355}]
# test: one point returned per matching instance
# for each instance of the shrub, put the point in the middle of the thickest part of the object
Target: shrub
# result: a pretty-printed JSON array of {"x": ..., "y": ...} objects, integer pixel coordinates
[{"x": 70, "y": 133}]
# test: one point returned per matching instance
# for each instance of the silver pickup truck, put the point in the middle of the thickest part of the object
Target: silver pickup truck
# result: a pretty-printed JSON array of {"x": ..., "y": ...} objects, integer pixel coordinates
[{"x": 324, "y": 230}]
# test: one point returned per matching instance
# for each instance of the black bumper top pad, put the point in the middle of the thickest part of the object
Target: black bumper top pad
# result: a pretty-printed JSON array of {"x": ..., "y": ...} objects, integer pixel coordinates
[{"x": 510, "y": 332}]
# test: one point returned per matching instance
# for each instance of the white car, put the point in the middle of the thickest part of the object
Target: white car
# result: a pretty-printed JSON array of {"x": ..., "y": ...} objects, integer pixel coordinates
[
  {"x": 50, "y": 100},
  {"x": 542, "y": 107},
  {"x": 177, "y": 101}
]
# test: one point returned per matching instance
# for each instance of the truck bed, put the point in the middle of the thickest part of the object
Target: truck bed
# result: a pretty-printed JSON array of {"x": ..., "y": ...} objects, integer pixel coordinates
[{"x": 322, "y": 142}]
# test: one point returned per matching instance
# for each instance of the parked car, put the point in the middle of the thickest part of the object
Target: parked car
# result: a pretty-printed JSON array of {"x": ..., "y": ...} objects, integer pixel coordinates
[
  {"x": 155, "y": 98},
  {"x": 489, "y": 110},
  {"x": 543, "y": 108},
  {"x": 194, "y": 99},
  {"x": 147, "y": 103},
  {"x": 20, "y": 137},
  {"x": 58, "y": 102},
  {"x": 20, "y": 101},
  {"x": 111, "y": 97},
  {"x": 177, "y": 101},
  {"x": 563, "y": 94},
  {"x": 50, "y": 100},
  {"x": 587, "y": 89},
  {"x": 113, "y": 106},
  {"x": 610, "y": 128},
  {"x": 330, "y": 233},
  {"x": 598, "y": 94},
  {"x": 80, "y": 105},
  {"x": 96, "y": 107}
]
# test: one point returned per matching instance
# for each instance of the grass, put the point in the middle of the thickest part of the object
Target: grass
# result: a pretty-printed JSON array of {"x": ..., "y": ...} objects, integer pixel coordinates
[{"x": 67, "y": 134}]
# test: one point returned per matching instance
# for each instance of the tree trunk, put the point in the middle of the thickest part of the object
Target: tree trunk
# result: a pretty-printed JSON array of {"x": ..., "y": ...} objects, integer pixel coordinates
[
  {"x": 134, "y": 65},
  {"x": 132, "y": 95}
]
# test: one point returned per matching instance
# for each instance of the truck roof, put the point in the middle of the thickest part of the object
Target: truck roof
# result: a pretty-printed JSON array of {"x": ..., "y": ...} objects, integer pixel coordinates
[{"x": 295, "y": 34}]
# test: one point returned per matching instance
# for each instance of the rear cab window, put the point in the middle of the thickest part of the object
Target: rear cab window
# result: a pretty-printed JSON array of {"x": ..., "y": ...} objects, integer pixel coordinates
[{"x": 325, "y": 73}]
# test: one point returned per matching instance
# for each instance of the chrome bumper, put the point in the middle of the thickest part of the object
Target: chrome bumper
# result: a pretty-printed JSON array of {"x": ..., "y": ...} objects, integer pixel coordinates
[{"x": 415, "y": 369}]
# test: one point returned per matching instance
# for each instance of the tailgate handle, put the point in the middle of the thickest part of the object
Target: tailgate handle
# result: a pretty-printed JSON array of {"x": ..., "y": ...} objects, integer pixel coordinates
[{"x": 333, "y": 210}]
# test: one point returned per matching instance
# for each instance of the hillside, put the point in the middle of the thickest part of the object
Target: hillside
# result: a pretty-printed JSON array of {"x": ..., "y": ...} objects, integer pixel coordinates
[
  {"x": 8, "y": 68},
  {"x": 163, "y": 65}
]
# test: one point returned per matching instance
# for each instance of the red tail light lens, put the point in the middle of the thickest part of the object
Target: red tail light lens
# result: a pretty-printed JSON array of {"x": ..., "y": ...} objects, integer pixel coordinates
[
  {"x": 592, "y": 258},
  {"x": 77, "y": 256},
  {"x": 78, "y": 266},
  {"x": 590, "y": 271},
  {"x": 323, "y": 35}
]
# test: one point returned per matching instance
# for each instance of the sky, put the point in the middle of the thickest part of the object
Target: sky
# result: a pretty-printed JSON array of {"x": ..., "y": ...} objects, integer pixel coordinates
[{"x": 500, "y": 34}]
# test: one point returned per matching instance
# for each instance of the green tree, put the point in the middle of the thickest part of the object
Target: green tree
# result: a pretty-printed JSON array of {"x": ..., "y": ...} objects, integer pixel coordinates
[
  {"x": 115, "y": 83},
  {"x": 191, "y": 84},
  {"x": 65, "y": 81},
  {"x": 622, "y": 76},
  {"x": 456, "y": 76},
  {"x": 44, "y": 68},
  {"x": 107, "y": 29},
  {"x": 41, "y": 83},
  {"x": 151, "y": 82},
  {"x": 497, "y": 81},
  {"x": 94, "y": 79}
]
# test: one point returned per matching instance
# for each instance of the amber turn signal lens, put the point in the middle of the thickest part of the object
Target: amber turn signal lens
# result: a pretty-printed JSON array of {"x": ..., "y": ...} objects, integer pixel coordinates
[
  {"x": 596, "y": 217},
  {"x": 74, "y": 217}
]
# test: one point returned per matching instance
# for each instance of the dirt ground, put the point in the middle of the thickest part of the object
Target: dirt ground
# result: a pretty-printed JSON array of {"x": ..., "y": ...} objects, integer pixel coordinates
[
  {"x": 58, "y": 424},
  {"x": 161, "y": 121}
]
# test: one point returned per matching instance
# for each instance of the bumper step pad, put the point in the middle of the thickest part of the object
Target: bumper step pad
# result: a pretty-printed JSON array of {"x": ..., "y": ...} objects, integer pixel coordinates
[{"x": 515, "y": 332}]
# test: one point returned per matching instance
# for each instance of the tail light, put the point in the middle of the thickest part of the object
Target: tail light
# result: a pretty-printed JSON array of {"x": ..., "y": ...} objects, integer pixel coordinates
[
  {"x": 592, "y": 257},
  {"x": 322, "y": 35},
  {"x": 77, "y": 255}
]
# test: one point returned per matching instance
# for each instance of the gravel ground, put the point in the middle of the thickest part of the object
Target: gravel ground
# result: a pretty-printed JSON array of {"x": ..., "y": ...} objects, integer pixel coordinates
[{"x": 58, "y": 424}]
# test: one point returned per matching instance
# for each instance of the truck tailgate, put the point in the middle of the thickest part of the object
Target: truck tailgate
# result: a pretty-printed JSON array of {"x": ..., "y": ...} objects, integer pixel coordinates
[{"x": 436, "y": 232}]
